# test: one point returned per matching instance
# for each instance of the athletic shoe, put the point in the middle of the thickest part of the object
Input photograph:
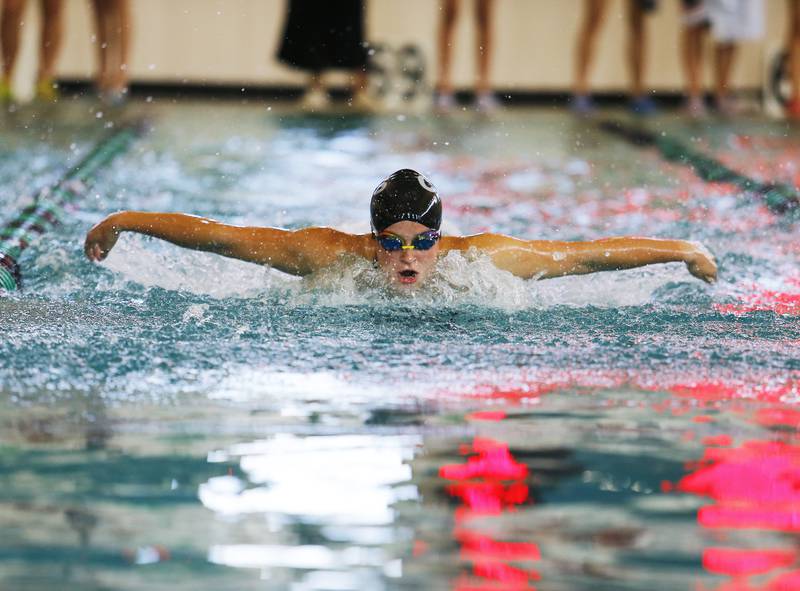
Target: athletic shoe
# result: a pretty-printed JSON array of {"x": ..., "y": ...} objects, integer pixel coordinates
[
  {"x": 582, "y": 105},
  {"x": 642, "y": 105},
  {"x": 114, "y": 97},
  {"x": 445, "y": 102},
  {"x": 6, "y": 94},
  {"x": 47, "y": 91},
  {"x": 728, "y": 107},
  {"x": 695, "y": 107},
  {"x": 486, "y": 102}
]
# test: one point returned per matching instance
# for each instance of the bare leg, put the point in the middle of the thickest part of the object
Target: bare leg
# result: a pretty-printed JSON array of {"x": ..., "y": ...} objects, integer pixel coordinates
[
  {"x": 9, "y": 36},
  {"x": 358, "y": 82},
  {"x": 446, "y": 25},
  {"x": 122, "y": 30},
  {"x": 483, "y": 14},
  {"x": 361, "y": 100},
  {"x": 725, "y": 54},
  {"x": 51, "y": 38},
  {"x": 101, "y": 40},
  {"x": 315, "y": 97},
  {"x": 794, "y": 55},
  {"x": 117, "y": 23},
  {"x": 113, "y": 37},
  {"x": 637, "y": 47},
  {"x": 693, "y": 65},
  {"x": 593, "y": 18},
  {"x": 315, "y": 81}
]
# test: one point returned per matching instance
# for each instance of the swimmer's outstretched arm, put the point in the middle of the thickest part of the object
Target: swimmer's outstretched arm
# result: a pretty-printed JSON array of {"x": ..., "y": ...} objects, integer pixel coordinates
[
  {"x": 550, "y": 258},
  {"x": 298, "y": 252}
]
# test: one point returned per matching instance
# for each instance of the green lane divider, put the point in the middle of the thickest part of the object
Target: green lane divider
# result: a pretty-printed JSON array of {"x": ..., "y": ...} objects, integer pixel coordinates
[
  {"x": 47, "y": 209},
  {"x": 778, "y": 197}
]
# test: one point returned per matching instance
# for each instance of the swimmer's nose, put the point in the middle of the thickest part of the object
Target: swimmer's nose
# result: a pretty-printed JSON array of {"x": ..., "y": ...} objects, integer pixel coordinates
[{"x": 408, "y": 254}]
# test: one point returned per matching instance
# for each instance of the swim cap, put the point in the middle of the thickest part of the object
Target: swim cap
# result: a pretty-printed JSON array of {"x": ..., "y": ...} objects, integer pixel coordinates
[{"x": 405, "y": 195}]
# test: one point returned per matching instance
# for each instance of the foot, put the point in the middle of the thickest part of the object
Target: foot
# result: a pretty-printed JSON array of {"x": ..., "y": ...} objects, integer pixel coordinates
[
  {"x": 727, "y": 106},
  {"x": 363, "y": 102},
  {"x": 642, "y": 105},
  {"x": 445, "y": 102},
  {"x": 315, "y": 99},
  {"x": 486, "y": 102},
  {"x": 114, "y": 97},
  {"x": 582, "y": 105},
  {"x": 695, "y": 107},
  {"x": 47, "y": 91}
]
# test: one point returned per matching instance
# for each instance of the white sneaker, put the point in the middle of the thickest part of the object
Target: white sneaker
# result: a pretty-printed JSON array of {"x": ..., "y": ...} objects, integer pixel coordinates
[
  {"x": 445, "y": 102},
  {"x": 695, "y": 107},
  {"x": 487, "y": 103},
  {"x": 314, "y": 99}
]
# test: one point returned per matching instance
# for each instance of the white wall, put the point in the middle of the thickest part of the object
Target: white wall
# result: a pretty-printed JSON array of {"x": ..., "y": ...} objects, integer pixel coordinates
[{"x": 234, "y": 42}]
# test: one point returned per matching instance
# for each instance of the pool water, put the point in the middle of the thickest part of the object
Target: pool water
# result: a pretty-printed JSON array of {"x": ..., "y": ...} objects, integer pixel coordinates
[{"x": 173, "y": 419}]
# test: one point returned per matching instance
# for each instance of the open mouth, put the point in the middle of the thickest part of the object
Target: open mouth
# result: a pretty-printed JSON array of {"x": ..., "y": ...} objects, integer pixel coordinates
[{"x": 408, "y": 276}]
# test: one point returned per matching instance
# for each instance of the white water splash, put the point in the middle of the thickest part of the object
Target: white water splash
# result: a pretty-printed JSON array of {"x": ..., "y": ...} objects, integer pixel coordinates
[
  {"x": 174, "y": 269},
  {"x": 461, "y": 279}
]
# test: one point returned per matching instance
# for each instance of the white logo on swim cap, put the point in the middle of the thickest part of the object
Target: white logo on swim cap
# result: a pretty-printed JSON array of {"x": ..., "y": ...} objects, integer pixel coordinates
[
  {"x": 426, "y": 184},
  {"x": 380, "y": 188}
]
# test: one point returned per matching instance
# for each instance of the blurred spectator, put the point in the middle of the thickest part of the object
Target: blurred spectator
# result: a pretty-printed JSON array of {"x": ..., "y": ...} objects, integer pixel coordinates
[
  {"x": 484, "y": 97},
  {"x": 596, "y": 11},
  {"x": 793, "y": 108},
  {"x": 730, "y": 22},
  {"x": 319, "y": 36},
  {"x": 49, "y": 45},
  {"x": 113, "y": 23}
]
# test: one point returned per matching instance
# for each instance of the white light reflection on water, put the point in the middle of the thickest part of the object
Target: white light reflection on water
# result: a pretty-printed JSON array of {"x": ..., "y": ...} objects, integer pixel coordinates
[
  {"x": 337, "y": 479},
  {"x": 346, "y": 485}
]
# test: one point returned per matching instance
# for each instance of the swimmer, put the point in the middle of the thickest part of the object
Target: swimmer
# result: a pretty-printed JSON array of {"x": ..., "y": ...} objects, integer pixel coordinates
[{"x": 405, "y": 242}]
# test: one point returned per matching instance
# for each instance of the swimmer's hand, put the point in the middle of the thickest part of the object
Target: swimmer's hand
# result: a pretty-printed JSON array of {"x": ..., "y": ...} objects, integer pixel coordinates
[
  {"x": 101, "y": 239},
  {"x": 700, "y": 262}
]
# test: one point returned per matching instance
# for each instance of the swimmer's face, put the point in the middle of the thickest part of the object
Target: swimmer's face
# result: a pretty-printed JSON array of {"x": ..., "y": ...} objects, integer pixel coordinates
[{"x": 407, "y": 268}]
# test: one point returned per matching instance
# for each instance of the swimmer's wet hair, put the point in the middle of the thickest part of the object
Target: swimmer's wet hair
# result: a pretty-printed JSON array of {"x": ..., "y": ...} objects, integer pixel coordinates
[{"x": 405, "y": 195}]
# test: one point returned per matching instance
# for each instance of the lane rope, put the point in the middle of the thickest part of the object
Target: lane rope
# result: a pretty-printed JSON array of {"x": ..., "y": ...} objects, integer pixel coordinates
[
  {"x": 777, "y": 197},
  {"x": 47, "y": 209}
]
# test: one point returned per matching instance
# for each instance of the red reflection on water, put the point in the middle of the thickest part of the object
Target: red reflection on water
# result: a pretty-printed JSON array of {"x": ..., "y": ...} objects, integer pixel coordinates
[
  {"x": 486, "y": 415},
  {"x": 493, "y": 461},
  {"x": 758, "y": 299},
  {"x": 756, "y": 485},
  {"x": 737, "y": 562},
  {"x": 490, "y": 483}
]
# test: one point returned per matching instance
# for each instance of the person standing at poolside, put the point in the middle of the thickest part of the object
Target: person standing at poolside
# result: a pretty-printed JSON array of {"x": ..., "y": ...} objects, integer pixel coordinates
[
  {"x": 405, "y": 242},
  {"x": 730, "y": 22},
  {"x": 596, "y": 10},
  {"x": 49, "y": 46},
  {"x": 320, "y": 36},
  {"x": 485, "y": 99},
  {"x": 113, "y": 22}
]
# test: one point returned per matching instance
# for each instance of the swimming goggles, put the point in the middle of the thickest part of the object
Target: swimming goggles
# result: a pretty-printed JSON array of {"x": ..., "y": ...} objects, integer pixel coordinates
[{"x": 423, "y": 241}]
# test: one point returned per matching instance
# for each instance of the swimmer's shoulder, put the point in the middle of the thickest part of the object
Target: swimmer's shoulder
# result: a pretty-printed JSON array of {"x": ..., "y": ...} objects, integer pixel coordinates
[
  {"x": 484, "y": 241},
  {"x": 339, "y": 242}
]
